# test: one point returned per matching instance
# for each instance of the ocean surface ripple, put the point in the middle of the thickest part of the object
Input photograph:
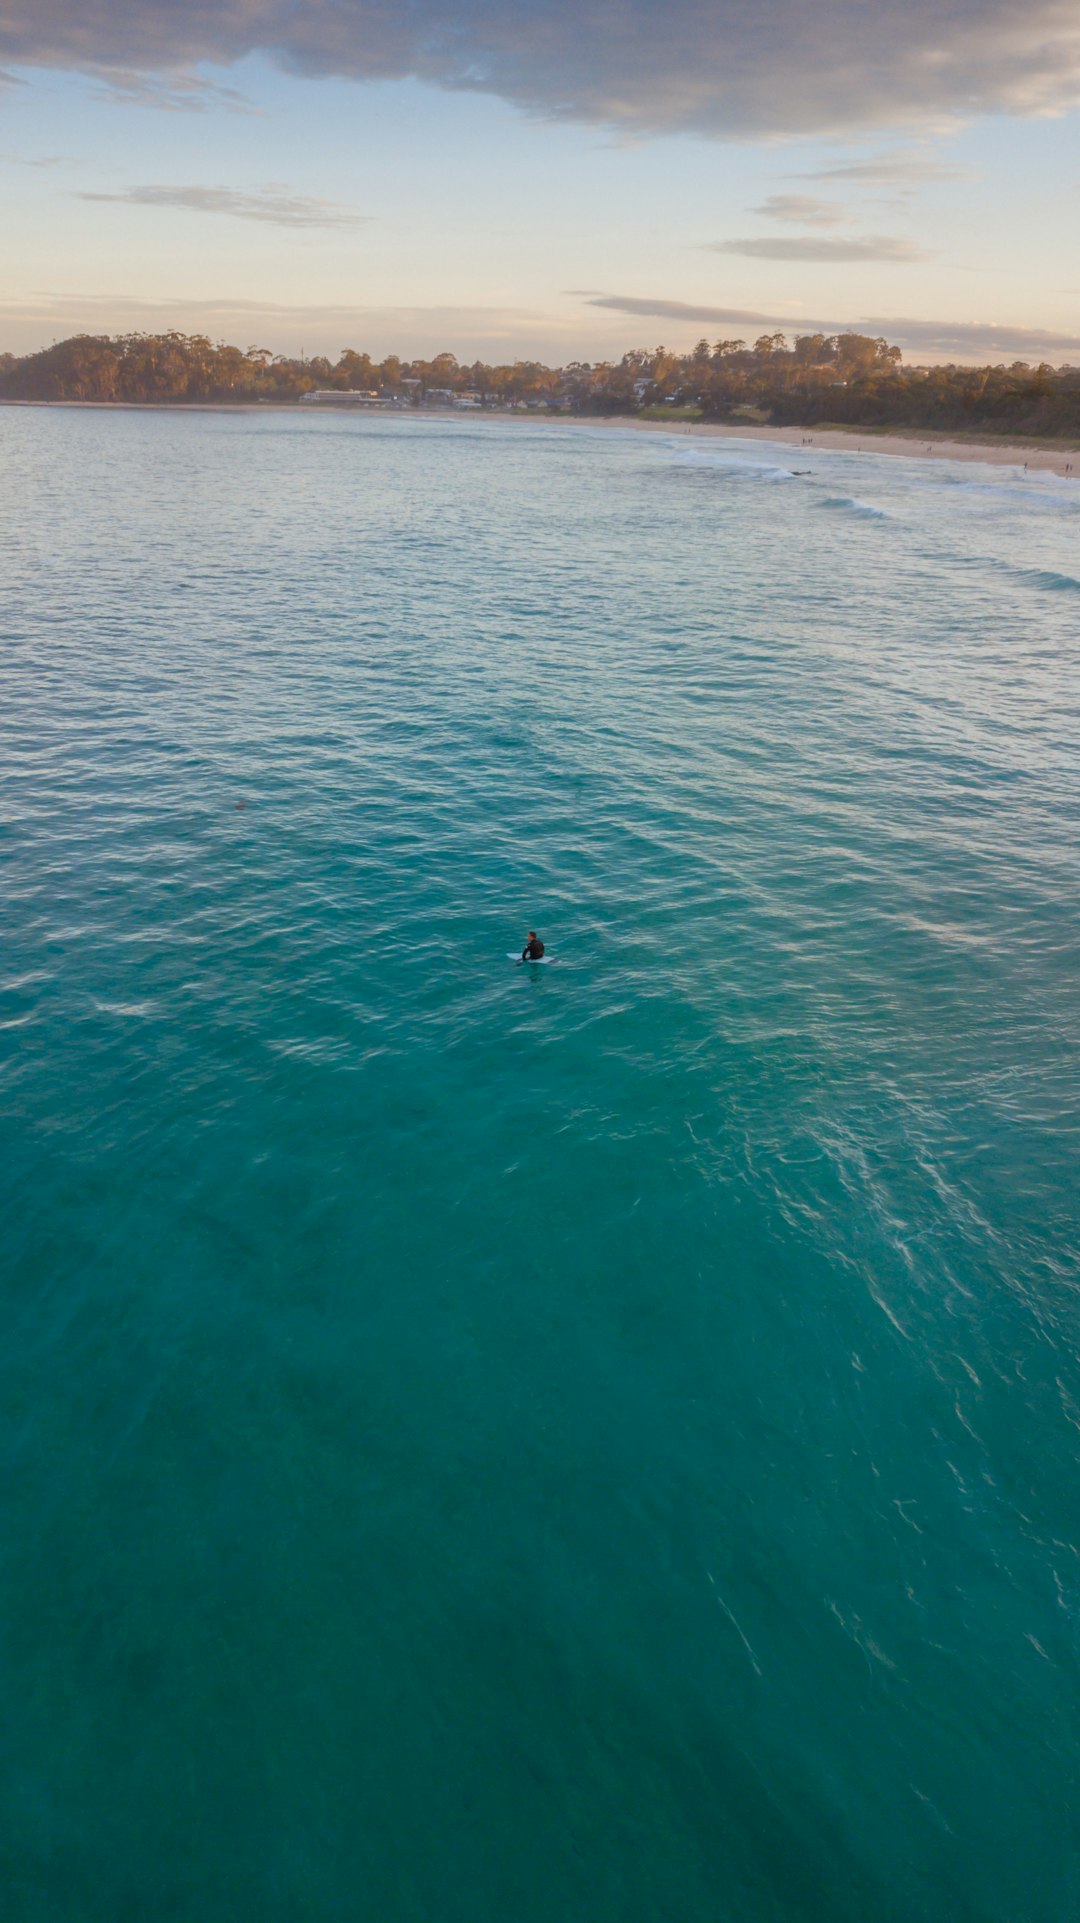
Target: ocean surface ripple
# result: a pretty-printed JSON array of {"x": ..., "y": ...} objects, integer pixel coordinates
[{"x": 592, "y": 1443}]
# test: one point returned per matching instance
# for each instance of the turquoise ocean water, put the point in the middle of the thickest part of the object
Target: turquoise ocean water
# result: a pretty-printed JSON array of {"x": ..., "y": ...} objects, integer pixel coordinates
[{"x": 595, "y": 1444}]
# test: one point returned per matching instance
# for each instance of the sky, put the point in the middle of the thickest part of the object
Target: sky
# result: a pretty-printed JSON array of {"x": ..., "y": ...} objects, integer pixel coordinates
[{"x": 516, "y": 179}]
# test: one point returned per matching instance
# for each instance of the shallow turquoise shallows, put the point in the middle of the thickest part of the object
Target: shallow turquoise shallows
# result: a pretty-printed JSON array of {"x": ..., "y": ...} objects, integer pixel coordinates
[{"x": 590, "y": 1444}]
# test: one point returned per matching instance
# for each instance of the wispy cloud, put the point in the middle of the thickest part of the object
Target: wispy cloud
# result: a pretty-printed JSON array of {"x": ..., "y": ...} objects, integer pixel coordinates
[
  {"x": 730, "y": 70},
  {"x": 33, "y": 160},
  {"x": 803, "y": 210},
  {"x": 173, "y": 93},
  {"x": 869, "y": 247},
  {"x": 272, "y": 204},
  {"x": 898, "y": 167}
]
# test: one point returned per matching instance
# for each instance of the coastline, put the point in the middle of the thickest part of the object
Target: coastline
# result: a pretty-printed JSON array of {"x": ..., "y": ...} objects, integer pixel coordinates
[{"x": 1053, "y": 457}]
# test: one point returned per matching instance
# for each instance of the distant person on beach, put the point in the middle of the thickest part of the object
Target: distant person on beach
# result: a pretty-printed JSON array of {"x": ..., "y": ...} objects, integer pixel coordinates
[{"x": 534, "y": 947}]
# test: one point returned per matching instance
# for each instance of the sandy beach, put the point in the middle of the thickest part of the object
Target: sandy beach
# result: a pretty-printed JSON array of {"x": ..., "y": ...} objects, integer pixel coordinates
[{"x": 1054, "y": 458}]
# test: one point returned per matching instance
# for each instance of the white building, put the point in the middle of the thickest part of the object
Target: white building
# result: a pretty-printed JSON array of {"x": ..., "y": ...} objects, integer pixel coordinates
[{"x": 349, "y": 396}]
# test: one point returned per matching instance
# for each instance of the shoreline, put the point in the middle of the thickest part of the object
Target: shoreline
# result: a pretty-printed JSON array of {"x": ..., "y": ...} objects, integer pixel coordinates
[
  {"x": 1046, "y": 456},
  {"x": 1061, "y": 458}
]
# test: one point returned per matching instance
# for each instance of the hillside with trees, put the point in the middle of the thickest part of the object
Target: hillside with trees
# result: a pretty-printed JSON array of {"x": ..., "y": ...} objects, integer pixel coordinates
[{"x": 844, "y": 379}]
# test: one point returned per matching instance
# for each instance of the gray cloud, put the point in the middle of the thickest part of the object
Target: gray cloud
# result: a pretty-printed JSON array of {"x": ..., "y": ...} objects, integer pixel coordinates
[
  {"x": 939, "y": 340},
  {"x": 868, "y": 247},
  {"x": 722, "y": 68},
  {"x": 680, "y": 310},
  {"x": 803, "y": 210},
  {"x": 273, "y": 204}
]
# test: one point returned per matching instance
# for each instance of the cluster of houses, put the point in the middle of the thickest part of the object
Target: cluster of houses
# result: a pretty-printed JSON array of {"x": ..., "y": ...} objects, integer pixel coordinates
[
  {"x": 408, "y": 393},
  {"x": 413, "y": 393}
]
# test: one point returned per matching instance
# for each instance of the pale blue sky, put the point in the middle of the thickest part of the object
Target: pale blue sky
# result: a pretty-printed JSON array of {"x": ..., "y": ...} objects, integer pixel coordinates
[{"x": 392, "y": 215}]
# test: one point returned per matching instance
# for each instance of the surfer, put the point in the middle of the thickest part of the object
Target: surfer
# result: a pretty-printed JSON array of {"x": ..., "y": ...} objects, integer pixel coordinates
[{"x": 534, "y": 947}]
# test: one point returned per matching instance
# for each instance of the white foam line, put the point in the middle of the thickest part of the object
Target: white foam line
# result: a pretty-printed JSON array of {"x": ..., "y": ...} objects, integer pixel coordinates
[{"x": 734, "y": 1624}]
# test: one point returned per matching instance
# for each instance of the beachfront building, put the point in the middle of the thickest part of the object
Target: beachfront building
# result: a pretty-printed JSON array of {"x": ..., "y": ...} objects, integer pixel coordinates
[{"x": 349, "y": 396}]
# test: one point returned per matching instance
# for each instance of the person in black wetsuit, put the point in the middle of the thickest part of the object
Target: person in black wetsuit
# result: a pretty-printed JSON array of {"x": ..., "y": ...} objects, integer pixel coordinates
[{"x": 534, "y": 947}]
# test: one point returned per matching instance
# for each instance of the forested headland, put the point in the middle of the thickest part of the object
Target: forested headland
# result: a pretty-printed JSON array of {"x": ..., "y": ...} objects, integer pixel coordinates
[{"x": 840, "y": 379}]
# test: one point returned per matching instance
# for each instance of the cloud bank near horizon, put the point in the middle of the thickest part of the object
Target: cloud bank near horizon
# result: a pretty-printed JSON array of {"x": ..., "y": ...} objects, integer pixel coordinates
[
  {"x": 937, "y": 338},
  {"x": 727, "y": 69},
  {"x": 28, "y": 324},
  {"x": 493, "y": 330}
]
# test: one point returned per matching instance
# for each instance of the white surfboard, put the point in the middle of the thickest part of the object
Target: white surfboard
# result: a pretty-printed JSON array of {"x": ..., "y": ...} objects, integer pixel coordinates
[{"x": 537, "y": 963}]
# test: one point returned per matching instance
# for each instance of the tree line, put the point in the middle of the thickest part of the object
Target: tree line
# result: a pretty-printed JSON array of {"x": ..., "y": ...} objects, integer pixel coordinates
[{"x": 847, "y": 379}]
